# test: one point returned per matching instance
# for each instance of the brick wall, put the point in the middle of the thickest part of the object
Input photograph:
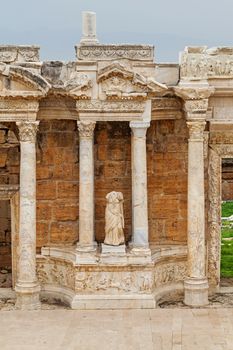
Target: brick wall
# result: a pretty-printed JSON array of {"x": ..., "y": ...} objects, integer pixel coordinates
[
  {"x": 57, "y": 183},
  {"x": 167, "y": 181},
  {"x": 112, "y": 170}
]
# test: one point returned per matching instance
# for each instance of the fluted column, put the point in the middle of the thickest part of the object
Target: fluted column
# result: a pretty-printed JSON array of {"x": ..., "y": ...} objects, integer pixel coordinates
[
  {"x": 86, "y": 186},
  {"x": 196, "y": 284},
  {"x": 140, "y": 239},
  {"x": 27, "y": 287}
]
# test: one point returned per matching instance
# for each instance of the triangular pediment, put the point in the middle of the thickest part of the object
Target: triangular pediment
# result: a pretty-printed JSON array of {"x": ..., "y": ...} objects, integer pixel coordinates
[
  {"x": 118, "y": 81},
  {"x": 20, "y": 82}
]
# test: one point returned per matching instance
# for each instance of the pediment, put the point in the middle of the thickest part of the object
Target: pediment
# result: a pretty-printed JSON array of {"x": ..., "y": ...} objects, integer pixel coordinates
[
  {"x": 20, "y": 82},
  {"x": 118, "y": 81}
]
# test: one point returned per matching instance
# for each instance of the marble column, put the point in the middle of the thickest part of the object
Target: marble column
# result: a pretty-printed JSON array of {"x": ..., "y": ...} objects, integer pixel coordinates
[
  {"x": 86, "y": 187},
  {"x": 27, "y": 287},
  {"x": 196, "y": 284},
  {"x": 140, "y": 239}
]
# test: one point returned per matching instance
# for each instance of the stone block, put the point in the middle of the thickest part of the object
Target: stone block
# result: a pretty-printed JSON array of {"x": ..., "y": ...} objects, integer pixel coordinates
[
  {"x": 64, "y": 232},
  {"x": 67, "y": 190},
  {"x": 43, "y": 172},
  {"x": 42, "y": 234},
  {"x": 46, "y": 190},
  {"x": 3, "y": 159},
  {"x": 44, "y": 210},
  {"x": 65, "y": 212}
]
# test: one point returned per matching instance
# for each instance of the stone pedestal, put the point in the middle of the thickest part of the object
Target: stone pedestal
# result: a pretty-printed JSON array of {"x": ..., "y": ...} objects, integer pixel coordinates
[
  {"x": 27, "y": 287},
  {"x": 139, "y": 186},
  {"x": 113, "y": 254},
  {"x": 196, "y": 285},
  {"x": 86, "y": 245}
]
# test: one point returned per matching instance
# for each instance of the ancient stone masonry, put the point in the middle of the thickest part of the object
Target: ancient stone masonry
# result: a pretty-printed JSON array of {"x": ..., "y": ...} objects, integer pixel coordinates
[{"x": 113, "y": 123}]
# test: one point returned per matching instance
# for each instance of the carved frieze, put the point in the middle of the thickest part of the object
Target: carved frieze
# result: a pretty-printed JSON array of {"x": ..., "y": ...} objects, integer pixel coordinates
[
  {"x": 110, "y": 106},
  {"x": 110, "y": 52},
  {"x": 107, "y": 282},
  {"x": 202, "y": 63},
  {"x": 12, "y": 54},
  {"x": 56, "y": 273},
  {"x": 168, "y": 273}
]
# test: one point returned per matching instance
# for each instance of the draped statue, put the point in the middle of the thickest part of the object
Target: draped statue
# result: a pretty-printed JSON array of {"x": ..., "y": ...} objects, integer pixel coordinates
[{"x": 114, "y": 219}]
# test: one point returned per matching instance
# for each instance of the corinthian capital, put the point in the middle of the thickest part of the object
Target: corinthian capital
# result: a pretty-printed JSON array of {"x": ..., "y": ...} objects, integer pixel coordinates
[
  {"x": 196, "y": 130},
  {"x": 86, "y": 128},
  {"x": 27, "y": 131},
  {"x": 196, "y": 106}
]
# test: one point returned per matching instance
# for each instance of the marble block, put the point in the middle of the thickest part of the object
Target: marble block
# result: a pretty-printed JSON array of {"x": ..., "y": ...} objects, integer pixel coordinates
[{"x": 113, "y": 254}]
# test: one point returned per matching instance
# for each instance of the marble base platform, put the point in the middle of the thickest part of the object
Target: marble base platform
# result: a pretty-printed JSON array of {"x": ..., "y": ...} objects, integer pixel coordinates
[{"x": 115, "y": 278}]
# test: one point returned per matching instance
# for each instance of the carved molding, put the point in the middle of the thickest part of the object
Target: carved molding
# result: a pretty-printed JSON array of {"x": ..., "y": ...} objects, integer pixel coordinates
[
  {"x": 216, "y": 153},
  {"x": 110, "y": 52},
  {"x": 27, "y": 131},
  {"x": 8, "y": 191},
  {"x": 168, "y": 103},
  {"x": 86, "y": 129},
  {"x": 12, "y": 54},
  {"x": 110, "y": 106}
]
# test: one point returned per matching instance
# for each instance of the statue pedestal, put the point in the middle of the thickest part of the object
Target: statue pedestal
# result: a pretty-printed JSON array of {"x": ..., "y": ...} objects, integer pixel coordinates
[{"x": 113, "y": 254}]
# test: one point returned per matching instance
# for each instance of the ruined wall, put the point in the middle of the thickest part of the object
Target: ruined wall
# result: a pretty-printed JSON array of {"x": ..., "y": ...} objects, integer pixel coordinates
[
  {"x": 9, "y": 174},
  {"x": 112, "y": 171},
  {"x": 167, "y": 154},
  {"x": 57, "y": 183}
]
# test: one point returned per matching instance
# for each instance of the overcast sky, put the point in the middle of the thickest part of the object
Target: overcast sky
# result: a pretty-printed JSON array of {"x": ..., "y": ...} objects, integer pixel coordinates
[{"x": 169, "y": 25}]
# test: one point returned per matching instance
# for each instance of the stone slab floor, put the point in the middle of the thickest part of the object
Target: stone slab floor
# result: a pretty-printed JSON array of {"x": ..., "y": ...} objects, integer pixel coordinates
[{"x": 159, "y": 329}]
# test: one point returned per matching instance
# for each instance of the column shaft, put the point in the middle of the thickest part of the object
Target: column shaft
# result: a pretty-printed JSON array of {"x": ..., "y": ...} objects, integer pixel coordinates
[
  {"x": 86, "y": 185},
  {"x": 196, "y": 284},
  {"x": 27, "y": 286},
  {"x": 139, "y": 185}
]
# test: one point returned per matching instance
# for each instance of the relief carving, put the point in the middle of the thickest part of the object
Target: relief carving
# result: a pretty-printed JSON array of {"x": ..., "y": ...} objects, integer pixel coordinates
[
  {"x": 168, "y": 273},
  {"x": 110, "y": 52},
  {"x": 110, "y": 106},
  {"x": 114, "y": 282},
  {"x": 206, "y": 63}
]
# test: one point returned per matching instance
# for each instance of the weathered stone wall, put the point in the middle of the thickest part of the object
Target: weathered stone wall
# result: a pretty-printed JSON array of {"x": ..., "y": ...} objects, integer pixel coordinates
[
  {"x": 167, "y": 154},
  {"x": 57, "y": 183},
  {"x": 58, "y": 179},
  {"x": 112, "y": 171},
  {"x": 9, "y": 174}
]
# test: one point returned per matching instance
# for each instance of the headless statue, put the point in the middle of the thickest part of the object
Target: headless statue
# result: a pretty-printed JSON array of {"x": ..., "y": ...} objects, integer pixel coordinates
[{"x": 114, "y": 219}]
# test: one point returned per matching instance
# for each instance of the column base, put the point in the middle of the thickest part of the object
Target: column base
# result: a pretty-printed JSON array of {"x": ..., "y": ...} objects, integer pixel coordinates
[
  {"x": 196, "y": 292},
  {"x": 27, "y": 297},
  {"x": 86, "y": 254}
]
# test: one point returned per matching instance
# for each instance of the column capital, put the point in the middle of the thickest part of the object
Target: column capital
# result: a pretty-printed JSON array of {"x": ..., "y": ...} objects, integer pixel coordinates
[
  {"x": 139, "y": 128},
  {"x": 86, "y": 128},
  {"x": 27, "y": 130},
  {"x": 196, "y": 108},
  {"x": 196, "y": 130}
]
